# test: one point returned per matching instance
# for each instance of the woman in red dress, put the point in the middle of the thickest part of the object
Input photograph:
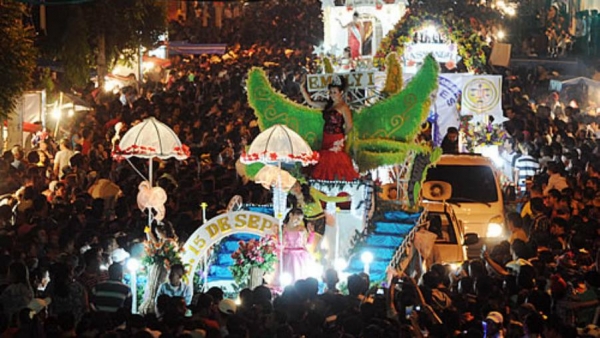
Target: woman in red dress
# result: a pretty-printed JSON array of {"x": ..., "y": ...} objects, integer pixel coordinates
[{"x": 334, "y": 162}]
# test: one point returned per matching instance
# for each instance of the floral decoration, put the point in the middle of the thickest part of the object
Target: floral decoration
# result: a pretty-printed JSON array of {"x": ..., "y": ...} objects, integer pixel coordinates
[
  {"x": 142, "y": 151},
  {"x": 167, "y": 253},
  {"x": 262, "y": 254},
  {"x": 463, "y": 25},
  {"x": 480, "y": 134},
  {"x": 311, "y": 158}
]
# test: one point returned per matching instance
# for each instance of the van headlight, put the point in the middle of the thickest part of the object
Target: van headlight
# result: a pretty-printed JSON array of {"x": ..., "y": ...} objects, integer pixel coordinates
[{"x": 495, "y": 227}]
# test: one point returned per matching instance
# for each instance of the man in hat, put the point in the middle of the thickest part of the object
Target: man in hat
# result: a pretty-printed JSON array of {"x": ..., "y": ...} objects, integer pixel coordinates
[
  {"x": 227, "y": 308},
  {"x": 494, "y": 325}
]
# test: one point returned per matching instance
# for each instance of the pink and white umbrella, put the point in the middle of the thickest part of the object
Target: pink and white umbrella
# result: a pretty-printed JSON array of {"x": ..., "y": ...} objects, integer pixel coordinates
[
  {"x": 279, "y": 144},
  {"x": 149, "y": 139}
]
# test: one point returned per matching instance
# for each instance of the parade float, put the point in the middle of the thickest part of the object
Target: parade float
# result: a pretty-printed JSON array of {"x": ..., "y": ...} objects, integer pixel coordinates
[{"x": 398, "y": 117}]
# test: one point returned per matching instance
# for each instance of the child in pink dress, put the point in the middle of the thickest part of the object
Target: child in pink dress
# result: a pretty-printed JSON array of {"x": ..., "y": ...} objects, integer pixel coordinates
[{"x": 296, "y": 261}]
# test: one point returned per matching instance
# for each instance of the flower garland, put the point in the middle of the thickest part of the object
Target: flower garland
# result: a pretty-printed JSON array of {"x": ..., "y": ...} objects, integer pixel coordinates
[
  {"x": 311, "y": 158},
  {"x": 143, "y": 151},
  {"x": 262, "y": 254},
  {"x": 461, "y": 26}
]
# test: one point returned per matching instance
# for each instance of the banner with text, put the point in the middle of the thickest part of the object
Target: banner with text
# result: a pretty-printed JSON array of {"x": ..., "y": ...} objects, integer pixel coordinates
[{"x": 355, "y": 80}]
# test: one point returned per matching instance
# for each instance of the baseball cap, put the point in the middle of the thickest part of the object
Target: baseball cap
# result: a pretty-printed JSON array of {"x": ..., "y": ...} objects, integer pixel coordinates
[
  {"x": 495, "y": 317},
  {"x": 589, "y": 331},
  {"x": 38, "y": 304},
  {"x": 227, "y": 306},
  {"x": 119, "y": 255}
]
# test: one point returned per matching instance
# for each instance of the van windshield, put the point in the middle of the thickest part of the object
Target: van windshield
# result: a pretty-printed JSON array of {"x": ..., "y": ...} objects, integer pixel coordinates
[{"x": 474, "y": 183}]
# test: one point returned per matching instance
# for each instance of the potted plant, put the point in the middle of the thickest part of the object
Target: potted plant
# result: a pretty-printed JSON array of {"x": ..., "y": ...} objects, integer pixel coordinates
[{"x": 253, "y": 259}]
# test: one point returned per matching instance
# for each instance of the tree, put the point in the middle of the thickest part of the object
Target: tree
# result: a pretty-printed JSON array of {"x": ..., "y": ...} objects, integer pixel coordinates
[
  {"x": 18, "y": 56},
  {"x": 121, "y": 27},
  {"x": 96, "y": 34},
  {"x": 76, "y": 51}
]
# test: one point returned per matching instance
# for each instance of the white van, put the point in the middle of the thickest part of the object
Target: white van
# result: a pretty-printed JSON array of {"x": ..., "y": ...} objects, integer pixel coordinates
[
  {"x": 452, "y": 241},
  {"x": 476, "y": 194}
]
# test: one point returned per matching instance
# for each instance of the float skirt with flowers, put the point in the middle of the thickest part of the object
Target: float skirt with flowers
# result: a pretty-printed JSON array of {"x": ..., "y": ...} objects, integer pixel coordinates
[{"x": 252, "y": 255}]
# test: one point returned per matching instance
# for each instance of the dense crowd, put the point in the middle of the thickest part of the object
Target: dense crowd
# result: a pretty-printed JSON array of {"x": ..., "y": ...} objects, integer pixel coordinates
[{"x": 62, "y": 242}]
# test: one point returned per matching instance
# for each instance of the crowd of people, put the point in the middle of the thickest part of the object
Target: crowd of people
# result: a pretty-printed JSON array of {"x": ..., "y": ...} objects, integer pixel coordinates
[{"x": 62, "y": 244}]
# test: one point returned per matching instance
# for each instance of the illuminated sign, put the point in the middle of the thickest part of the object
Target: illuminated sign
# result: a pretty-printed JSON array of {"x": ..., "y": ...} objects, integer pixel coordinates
[
  {"x": 217, "y": 228},
  {"x": 355, "y": 80}
]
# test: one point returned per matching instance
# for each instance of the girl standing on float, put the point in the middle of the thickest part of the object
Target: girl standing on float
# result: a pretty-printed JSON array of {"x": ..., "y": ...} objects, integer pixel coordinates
[
  {"x": 334, "y": 162},
  {"x": 296, "y": 259}
]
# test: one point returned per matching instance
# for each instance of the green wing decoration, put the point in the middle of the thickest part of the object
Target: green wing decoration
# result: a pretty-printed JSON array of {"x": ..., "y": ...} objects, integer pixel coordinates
[
  {"x": 385, "y": 131},
  {"x": 400, "y": 116},
  {"x": 273, "y": 108}
]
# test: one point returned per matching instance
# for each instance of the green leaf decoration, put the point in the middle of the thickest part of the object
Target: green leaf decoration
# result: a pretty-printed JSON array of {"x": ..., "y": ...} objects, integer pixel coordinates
[
  {"x": 416, "y": 193},
  {"x": 327, "y": 65},
  {"x": 384, "y": 132},
  {"x": 273, "y": 108},
  {"x": 371, "y": 154},
  {"x": 399, "y": 117}
]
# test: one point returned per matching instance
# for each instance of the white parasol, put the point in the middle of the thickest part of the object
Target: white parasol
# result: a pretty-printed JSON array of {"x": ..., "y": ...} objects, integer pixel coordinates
[
  {"x": 149, "y": 139},
  {"x": 279, "y": 144}
]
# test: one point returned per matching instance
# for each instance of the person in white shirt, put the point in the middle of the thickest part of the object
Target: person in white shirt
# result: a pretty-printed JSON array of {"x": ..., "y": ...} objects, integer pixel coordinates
[
  {"x": 61, "y": 160},
  {"x": 175, "y": 287},
  {"x": 556, "y": 180},
  {"x": 508, "y": 154},
  {"x": 525, "y": 165}
]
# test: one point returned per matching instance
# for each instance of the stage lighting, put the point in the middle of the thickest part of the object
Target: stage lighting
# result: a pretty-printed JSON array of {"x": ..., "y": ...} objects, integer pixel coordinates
[{"x": 285, "y": 279}]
